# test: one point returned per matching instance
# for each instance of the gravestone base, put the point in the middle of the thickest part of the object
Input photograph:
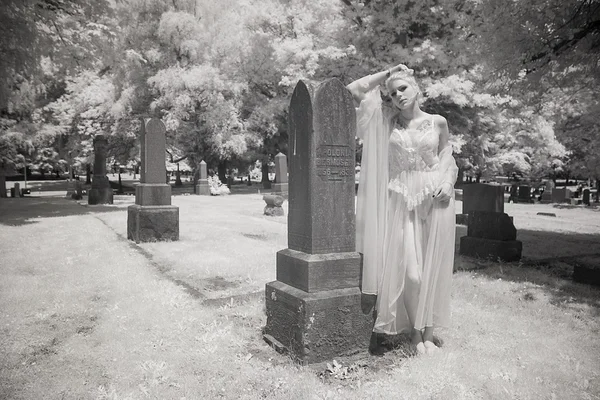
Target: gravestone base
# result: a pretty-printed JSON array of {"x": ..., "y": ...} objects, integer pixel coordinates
[
  {"x": 318, "y": 272},
  {"x": 152, "y": 223},
  {"x": 314, "y": 327},
  {"x": 462, "y": 219},
  {"x": 505, "y": 250},
  {"x": 100, "y": 196},
  {"x": 202, "y": 188},
  {"x": 546, "y": 198},
  {"x": 153, "y": 194},
  {"x": 101, "y": 192}
]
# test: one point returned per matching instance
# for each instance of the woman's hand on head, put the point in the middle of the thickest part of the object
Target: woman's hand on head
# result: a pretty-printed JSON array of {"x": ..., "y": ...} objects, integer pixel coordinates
[{"x": 444, "y": 192}]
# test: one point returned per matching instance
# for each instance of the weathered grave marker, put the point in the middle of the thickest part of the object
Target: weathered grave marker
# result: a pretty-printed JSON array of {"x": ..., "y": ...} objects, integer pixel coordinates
[
  {"x": 153, "y": 218},
  {"x": 101, "y": 192},
  {"x": 314, "y": 307},
  {"x": 203, "y": 188},
  {"x": 281, "y": 174}
]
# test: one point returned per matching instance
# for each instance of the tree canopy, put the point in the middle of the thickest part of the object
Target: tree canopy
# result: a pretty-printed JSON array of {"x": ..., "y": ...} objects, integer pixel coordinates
[{"x": 515, "y": 80}]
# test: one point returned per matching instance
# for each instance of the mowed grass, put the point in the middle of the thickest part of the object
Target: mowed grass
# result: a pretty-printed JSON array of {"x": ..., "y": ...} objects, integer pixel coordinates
[{"x": 86, "y": 314}]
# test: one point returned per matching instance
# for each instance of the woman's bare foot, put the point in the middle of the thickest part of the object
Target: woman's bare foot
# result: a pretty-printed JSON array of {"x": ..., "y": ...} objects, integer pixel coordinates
[
  {"x": 430, "y": 347},
  {"x": 417, "y": 340}
]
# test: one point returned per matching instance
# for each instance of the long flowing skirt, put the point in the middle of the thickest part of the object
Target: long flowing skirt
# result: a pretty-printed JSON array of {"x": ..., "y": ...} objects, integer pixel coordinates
[{"x": 425, "y": 238}]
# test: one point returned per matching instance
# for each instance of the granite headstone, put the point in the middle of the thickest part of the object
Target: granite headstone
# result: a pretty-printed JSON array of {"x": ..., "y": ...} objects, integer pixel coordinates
[
  {"x": 314, "y": 307},
  {"x": 153, "y": 218}
]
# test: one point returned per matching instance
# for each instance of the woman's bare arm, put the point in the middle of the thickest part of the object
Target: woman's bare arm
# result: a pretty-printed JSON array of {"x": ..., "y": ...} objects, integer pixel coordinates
[{"x": 361, "y": 86}]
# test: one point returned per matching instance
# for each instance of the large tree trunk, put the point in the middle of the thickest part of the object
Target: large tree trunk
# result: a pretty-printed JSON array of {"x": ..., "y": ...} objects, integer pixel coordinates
[
  {"x": 222, "y": 171},
  {"x": 88, "y": 174},
  {"x": 2, "y": 183}
]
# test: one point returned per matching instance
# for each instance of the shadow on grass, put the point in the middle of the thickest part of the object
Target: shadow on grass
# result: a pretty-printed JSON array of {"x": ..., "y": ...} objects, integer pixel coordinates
[
  {"x": 20, "y": 211},
  {"x": 548, "y": 261}
]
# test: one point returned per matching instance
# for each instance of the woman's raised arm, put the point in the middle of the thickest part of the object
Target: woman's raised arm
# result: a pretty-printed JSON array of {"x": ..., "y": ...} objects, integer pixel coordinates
[{"x": 361, "y": 86}]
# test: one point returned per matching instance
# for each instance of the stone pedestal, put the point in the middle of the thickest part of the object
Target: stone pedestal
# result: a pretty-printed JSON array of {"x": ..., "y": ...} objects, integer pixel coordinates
[
  {"x": 101, "y": 192},
  {"x": 153, "y": 218},
  {"x": 152, "y": 223},
  {"x": 314, "y": 308},
  {"x": 492, "y": 236},
  {"x": 202, "y": 188},
  {"x": 315, "y": 326}
]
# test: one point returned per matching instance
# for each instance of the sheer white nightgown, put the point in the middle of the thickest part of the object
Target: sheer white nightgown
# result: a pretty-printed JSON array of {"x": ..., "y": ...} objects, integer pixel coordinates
[{"x": 398, "y": 221}]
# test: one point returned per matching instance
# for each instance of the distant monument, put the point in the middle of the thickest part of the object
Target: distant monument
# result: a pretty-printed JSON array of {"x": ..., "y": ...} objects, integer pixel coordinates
[
  {"x": 153, "y": 218},
  {"x": 101, "y": 192},
  {"x": 281, "y": 175},
  {"x": 202, "y": 188},
  {"x": 314, "y": 307}
]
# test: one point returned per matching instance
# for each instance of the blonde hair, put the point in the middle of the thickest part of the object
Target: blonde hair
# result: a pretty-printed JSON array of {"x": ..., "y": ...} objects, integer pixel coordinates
[{"x": 407, "y": 75}]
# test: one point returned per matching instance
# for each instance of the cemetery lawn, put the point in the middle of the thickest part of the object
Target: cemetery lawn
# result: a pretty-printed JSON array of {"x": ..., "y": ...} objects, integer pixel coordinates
[{"x": 86, "y": 314}]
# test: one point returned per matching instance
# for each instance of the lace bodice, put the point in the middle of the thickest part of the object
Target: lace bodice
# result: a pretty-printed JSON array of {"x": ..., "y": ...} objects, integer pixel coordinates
[
  {"x": 413, "y": 149},
  {"x": 413, "y": 163}
]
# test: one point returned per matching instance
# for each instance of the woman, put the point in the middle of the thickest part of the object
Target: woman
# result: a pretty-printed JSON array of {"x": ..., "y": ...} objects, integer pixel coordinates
[{"x": 405, "y": 207}]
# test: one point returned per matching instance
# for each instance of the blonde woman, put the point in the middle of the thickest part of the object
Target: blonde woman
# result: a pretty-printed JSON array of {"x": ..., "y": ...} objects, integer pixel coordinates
[{"x": 405, "y": 207}]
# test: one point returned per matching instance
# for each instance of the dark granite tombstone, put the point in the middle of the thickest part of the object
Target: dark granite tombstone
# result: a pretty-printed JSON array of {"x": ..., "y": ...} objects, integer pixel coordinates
[
  {"x": 153, "y": 218},
  {"x": 561, "y": 195},
  {"x": 547, "y": 194},
  {"x": 524, "y": 195},
  {"x": 281, "y": 174},
  {"x": 491, "y": 235},
  {"x": 586, "y": 197},
  {"x": 482, "y": 197},
  {"x": 314, "y": 307},
  {"x": 101, "y": 192},
  {"x": 202, "y": 188},
  {"x": 16, "y": 190}
]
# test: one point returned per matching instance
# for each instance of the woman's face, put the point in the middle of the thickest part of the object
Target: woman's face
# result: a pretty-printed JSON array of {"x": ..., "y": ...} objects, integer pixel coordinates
[{"x": 403, "y": 93}]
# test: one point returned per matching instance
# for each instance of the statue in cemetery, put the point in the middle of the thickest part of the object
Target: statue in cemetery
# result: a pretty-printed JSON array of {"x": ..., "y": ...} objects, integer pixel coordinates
[
  {"x": 405, "y": 221},
  {"x": 215, "y": 185}
]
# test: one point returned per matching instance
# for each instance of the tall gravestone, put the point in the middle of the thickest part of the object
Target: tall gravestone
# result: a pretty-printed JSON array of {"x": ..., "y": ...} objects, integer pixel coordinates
[
  {"x": 202, "y": 188},
  {"x": 314, "y": 307},
  {"x": 153, "y": 218},
  {"x": 101, "y": 192},
  {"x": 281, "y": 174}
]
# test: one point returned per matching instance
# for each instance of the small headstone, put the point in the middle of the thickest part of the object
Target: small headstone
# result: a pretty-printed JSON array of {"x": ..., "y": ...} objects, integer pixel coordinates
[
  {"x": 16, "y": 192},
  {"x": 101, "y": 192},
  {"x": 203, "y": 187},
  {"x": 281, "y": 174},
  {"x": 314, "y": 307},
  {"x": 586, "y": 197},
  {"x": 561, "y": 195},
  {"x": 491, "y": 225},
  {"x": 524, "y": 195}
]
